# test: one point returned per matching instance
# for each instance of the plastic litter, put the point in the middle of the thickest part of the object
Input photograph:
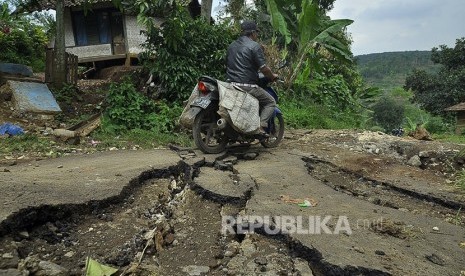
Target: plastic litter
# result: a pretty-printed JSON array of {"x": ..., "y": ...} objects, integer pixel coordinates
[
  {"x": 10, "y": 129},
  {"x": 94, "y": 268},
  {"x": 306, "y": 202}
]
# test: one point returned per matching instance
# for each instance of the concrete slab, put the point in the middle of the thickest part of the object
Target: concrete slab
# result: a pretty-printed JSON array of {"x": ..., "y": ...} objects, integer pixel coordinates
[
  {"x": 33, "y": 97},
  {"x": 75, "y": 179},
  {"x": 225, "y": 184}
]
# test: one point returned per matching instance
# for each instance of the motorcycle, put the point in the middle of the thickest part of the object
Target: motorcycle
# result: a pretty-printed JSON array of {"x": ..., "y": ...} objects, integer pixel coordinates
[{"x": 221, "y": 113}]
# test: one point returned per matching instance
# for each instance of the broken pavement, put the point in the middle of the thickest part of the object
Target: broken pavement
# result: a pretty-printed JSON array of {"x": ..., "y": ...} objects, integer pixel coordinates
[{"x": 400, "y": 216}]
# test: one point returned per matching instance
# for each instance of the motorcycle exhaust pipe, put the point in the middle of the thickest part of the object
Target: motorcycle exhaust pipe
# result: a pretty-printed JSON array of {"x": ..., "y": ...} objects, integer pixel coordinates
[{"x": 221, "y": 123}]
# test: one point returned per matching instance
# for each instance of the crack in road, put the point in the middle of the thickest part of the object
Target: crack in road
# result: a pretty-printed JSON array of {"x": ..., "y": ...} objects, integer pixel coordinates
[{"x": 221, "y": 185}]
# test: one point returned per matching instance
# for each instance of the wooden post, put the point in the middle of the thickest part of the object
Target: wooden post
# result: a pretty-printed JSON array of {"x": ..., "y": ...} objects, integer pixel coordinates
[{"x": 49, "y": 65}]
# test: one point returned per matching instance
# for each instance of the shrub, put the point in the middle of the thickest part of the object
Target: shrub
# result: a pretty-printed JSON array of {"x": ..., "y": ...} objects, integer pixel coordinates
[
  {"x": 306, "y": 114},
  {"x": 24, "y": 46},
  {"x": 436, "y": 125},
  {"x": 183, "y": 50},
  {"x": 129, "y": 109},
  {"x": 388, "y": 113}
]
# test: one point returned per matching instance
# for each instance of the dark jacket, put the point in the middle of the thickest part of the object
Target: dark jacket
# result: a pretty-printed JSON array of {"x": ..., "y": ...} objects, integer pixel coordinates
[{"x": 245, "y": 58}]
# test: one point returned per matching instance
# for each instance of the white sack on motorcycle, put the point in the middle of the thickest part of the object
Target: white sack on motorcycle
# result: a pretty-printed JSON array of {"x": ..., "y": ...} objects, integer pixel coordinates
[
  {"x": 188, "y": 114},
  {"x": 242, "y": 108}
]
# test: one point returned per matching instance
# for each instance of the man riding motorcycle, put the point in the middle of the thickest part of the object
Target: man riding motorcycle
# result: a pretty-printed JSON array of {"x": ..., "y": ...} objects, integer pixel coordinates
[{"x": 245, "y": 58}]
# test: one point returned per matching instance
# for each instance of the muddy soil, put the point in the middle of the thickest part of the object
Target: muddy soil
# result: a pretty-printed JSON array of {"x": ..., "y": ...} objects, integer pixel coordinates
[{"x": 171, "y": 225}]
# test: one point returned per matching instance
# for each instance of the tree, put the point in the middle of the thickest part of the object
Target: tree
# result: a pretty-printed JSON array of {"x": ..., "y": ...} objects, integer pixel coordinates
[
  {"x": 207, "y": 9},
  {"x": 437, "y": 91},
  {"x": 388, "y": 113},
  {"x": 305, "y": 24},
  {"x": 60, "y": 70},
  {"x": 21, "y": 39}
]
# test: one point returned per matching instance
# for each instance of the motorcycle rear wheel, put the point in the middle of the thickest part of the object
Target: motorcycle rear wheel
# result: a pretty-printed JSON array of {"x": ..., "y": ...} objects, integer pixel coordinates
[
  {"x": 207, "y": 136},
  {"x": 276, "y": 132}
]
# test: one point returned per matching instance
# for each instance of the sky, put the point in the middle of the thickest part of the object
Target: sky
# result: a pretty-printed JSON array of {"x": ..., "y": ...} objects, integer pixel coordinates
[{"x": 399, "y": 25}]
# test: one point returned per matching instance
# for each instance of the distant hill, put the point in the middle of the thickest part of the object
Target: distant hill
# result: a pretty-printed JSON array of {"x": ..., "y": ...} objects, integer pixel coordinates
[{"x": 389, "y": 70}]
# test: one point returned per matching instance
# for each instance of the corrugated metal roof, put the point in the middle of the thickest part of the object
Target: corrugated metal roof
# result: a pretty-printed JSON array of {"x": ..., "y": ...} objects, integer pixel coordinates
[
  {"x": 457, "y": 107},
  {"x": 37, "y": 5}
]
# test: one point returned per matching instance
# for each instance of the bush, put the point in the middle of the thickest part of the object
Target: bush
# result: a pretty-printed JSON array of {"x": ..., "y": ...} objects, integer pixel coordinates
[
  {"x": 183, "y": 50},
  {"x": 128, "y": 109},
  {"x": 388, "y": 113},
  {"x": 24, "y": 46},
  {"x": 436, "y": 125}
]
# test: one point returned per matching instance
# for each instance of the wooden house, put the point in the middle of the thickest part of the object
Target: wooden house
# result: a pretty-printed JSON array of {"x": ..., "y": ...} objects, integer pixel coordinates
[
  {"x": 100, "y": 32},
  {"x": 460, "y": 111}
]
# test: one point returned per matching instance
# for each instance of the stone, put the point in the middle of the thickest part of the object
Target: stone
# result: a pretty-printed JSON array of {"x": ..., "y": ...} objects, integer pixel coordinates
[
  {"x": 69, "y": 254},
  {"x": 169, "y": 238},
  {"x": 261, "y": 261},
  {"x": 424, "y": 154},
  {"x": 229, "y": 253},
  {"x": 195, "y": 270},
  {"x": 302, "y": 267},
  {"x": 23, "y": 234},
  {"x": 414, "y": 161},
  {"x": 248, "y": 248},
  {"x": 380, "y": 252},
  {"x": 435, "y": 259},
  {"x": 51, "y": 269},
  {"x": 9, "y": 260},
  {"x": 250, "y": 155}
]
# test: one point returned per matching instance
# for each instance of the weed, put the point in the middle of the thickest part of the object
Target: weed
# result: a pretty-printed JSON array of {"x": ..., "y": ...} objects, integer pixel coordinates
[
  {"x": 299, "y": 114},
  {"x": 24, "y": 143},
  {"x": 456, "y": 219},
  {"x": 460, "y": 180},
  {"x": 451, "y": 138}
]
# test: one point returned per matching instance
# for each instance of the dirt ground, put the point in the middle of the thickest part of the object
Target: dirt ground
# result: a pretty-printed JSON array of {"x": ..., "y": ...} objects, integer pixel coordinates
[{"x": 399, "y": 195}]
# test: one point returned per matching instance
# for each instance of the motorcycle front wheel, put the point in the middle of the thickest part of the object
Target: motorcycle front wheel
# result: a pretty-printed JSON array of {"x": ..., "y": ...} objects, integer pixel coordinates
[
  {"x": 207, "y": 136},
  {"x": 276, "y": 132}
]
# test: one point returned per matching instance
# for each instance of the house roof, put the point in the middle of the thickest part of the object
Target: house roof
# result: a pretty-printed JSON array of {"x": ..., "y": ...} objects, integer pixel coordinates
[
  {"x": 457, "y": 107},
  {"x": 38, "y": 5}
]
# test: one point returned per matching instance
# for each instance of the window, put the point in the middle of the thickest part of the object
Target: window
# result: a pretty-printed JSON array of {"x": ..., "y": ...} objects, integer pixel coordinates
[{"x": 91, "y": 28}]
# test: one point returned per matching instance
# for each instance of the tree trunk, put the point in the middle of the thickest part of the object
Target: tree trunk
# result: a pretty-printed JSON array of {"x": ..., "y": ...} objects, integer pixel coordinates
[
  {"x": 59, "y": 77},
  {"x": 207, "y": 9}
]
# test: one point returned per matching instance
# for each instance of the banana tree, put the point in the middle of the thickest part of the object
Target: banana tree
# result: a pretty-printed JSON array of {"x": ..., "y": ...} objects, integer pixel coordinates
[{"x": 305, "y": 24}]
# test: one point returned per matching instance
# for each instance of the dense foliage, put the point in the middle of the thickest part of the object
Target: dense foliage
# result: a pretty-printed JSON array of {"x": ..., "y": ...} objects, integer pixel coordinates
[
  {"x": 21, "y": 40},
  {"x": 437, "y": 91},
  {"x": 183, "y": 50},
  {"x": 129, "y": 109},
  {"x": 323, "y": 69}
]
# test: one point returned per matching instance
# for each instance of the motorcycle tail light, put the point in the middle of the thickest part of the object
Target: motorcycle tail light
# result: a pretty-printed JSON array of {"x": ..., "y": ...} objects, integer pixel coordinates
[{"x": 203, "y": 88}]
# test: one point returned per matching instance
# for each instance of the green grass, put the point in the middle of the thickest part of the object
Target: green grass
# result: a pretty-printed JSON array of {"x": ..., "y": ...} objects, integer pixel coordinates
[
  {"x": 47, "y": 146},
  {"x": 451, "y": 138},
  {"x": 309, "y": 115},
  {"x": 25, "y": 143}
]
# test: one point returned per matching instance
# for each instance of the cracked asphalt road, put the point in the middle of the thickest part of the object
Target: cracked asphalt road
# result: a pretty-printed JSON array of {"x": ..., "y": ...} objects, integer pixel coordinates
[{"x": 404, "y": 220}]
